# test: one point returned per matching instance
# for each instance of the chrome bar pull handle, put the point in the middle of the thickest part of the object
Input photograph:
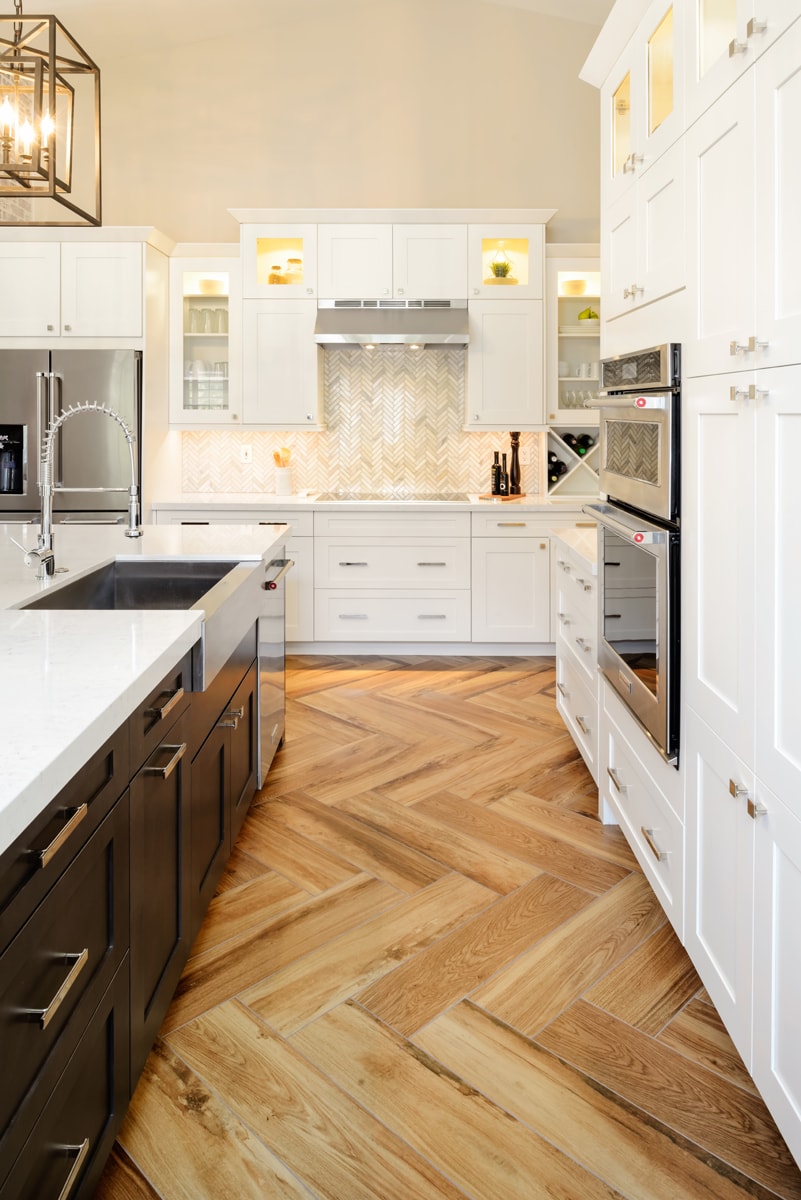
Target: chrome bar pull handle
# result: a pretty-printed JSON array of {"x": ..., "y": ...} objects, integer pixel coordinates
[
  {"x": 166, "y": 771},
  {"x": 583, "y": 726},
  {"x": 755, "y": 393},
  {"x": 562, "y": 690},
  {"x": 630, "y": 293},
  {"x": 736, "y": 394},
  {"x": 80, "y": 1153},
  {"x": 754, "y": 344},
  {"x": 648, "y": 834},
  {"x": 754, "y": 27},
  {"x": 736, "y": 48},
  {"x": 737, "y": 790},
  {"x": 613, "y": 775},
  {"x": 583, "y": 644},
  {"x": 164, "y": 710},
  {"x": 43, "y": 857},
  {"x": 432, "y": 564},
  {"x": 756, "y": 809},
  {"x": 354, "y": 564},
  {"x": 45, "y": 1015},
  {"x": 736, "y": 348}
]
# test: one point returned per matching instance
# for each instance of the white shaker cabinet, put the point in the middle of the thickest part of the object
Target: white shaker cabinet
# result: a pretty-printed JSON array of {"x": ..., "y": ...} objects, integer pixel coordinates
[
  {"x": 429, "y": 262},
  {"x": 505, "y": 367},
  {"x": 506, "y": 261},
  {"x": 281, "y": 384},
  {"x": 71, "y": 289},
  {"x": 510, "y": 578},
  {"x": 279, "y": 260},
  {"x": 354, "y": 262}
]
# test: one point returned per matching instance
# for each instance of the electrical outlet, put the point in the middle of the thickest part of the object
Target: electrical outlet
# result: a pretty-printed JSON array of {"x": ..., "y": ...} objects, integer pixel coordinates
[
  {"x": 525, "y": 456},
  {"x": 246, "y": 454}
]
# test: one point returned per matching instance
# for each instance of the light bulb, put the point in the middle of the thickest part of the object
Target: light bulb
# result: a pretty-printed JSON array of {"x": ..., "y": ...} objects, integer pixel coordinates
[
  {"x": 26, "y": 138},
  {"x": 48, "y": 125},
  {"x": 8, "y": 119}
]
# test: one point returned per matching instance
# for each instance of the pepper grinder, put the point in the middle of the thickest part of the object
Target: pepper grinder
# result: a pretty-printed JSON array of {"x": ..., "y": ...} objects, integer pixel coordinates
[{"x": 514, "y": 466}]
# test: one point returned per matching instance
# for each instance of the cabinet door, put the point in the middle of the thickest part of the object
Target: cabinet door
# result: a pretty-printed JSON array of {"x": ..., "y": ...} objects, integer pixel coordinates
[
  {"x": 573, "y": 347},
  {"x": 720, "y": 228},
  {"x": 619, "y": 262},
  {"x": 661, "y": 239},
  {"x": 205, "y": 332},
  {"x": 29, "y": 289},
  {"x": 511, "y": 590},
  {"x": 101, "y": 289},
  {"x": 300, "y": 591},
  {"x": 279, "y": 261},
  {"x": 506, "y": 261},
  {"x": 720, "y": 876},
  {"x": 718, "y": 556},
  {"x": 778, "y": 203},
  {"x": 621, "y": 126},
  {"x": 160, "y": 907},
  {"x": 243, "y": 714},
  {"x": 209, "y": 821},
  {"x": 281, "y": 387},
  {"x": 778, "y": 583},
  {"x": 354, "y": 262},
  {"x": 505, "y": 370},
  {"x": 429, "y": 262},
  {"x": 777, "y": 965}
]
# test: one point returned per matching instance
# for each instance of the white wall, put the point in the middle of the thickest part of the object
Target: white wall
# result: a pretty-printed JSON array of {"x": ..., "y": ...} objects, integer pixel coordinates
[{"x": 350, "y": 103}]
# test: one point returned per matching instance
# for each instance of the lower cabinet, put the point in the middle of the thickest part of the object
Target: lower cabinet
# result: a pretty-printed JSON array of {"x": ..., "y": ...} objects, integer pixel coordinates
[
  {"x": 511, "y": 578},
  {"x": 576, "y": 637}
]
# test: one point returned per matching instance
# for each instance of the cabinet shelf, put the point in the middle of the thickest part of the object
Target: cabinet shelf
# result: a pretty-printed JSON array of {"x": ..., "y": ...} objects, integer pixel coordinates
[{"x": 581, "y": 477}]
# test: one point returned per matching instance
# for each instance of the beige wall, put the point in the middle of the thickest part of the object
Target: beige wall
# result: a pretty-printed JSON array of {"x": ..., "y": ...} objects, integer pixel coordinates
[{"x": 352, "y": 104}]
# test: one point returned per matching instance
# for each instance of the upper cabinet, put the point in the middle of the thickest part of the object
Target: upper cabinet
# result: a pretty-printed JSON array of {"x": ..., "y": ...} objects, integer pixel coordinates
[
  {"x": 279, "y": 261},
  {"x": 281, "y": 378},
  {"x": 383, "y": 261},
  {"x": 354, "y": 262},
  {"x": 505, "y": 365},
  {"x": 573, "y": 347},
  {"x": 72, "y": 289},
  {"x": 205, "y": 315},
  {"x": 505, "y": 262},
  {"x": 643, "y": 100},
  {"x": 429, "y": 262}
]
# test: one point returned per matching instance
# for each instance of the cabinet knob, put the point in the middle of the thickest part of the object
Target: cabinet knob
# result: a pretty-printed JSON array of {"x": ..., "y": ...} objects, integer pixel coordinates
[
  {"x": 49, "y": 328},
  {"x": 754, "y": 26},
  {"x": 309, "y": 417},
  {"x": 736, "y": 48},
  {"x": 309, "y": 291},
  {"x": 68, "y": 328},
  {"x": 401, "y": 291},
  {"x": 754, "y": 344},
  {"x": 631, "y": 292},
  {"x": 737, "y": 790},
  {"x": 476, "y": 291},
  {"x": 736, "y": 348}
]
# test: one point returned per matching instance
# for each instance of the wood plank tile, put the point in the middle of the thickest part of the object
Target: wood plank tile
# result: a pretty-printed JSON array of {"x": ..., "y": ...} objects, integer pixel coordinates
[
  {"x": 607, "y": 842},
  {"x": 462, "y": 1133},
  {"x": 649, "y": 987},
  {"x": 639, "y": 1156},
  {"x": 324, "y": 977},
  {"x": 122, "y": 1180},
  {"x": 252, "y": 904},
  {"x": 543, "y": 981},
  {"x": 698, "y": 1032},
  {"x": 362, "y": 767},
  {"x": 189, "y": 1144},
  {"x": 730, "y": 1122},
  {"x": 495, "y": 869},
  {"x": 328, "y": 1141},
  {"x": 240, "y": 868},
  {"x": 398, "y": 718},
  {"x": 479, "y": 775},
  {"x": 306, "y": 864},
  {"x": 455, "y": 965},
  {"x": 548, "y": 853},
  {"x": 237, "y": 964},
  {"x": 370, "y": 850}
]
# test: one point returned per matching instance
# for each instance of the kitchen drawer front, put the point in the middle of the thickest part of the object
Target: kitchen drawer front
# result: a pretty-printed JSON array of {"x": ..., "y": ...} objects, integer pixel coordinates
[
  {"x": 578, "y": 631},
  {"x": 504, "y": 523},
  {"x": 376, "y": 616},
  {"x": 442, "y": 524},
  {"x": 75, "y": 1132},
  {"x": 151, "y": 720},
  {"x": 60, "y": 964},
  {"x": 399, "y": 562},
  {"x": 302, "y": 522},
  {"x": 577, "y": 702},
  {"x": 653, "y": 830},
  {"x": 578, "y": 584},
  {"x": 31, "y": 865}
]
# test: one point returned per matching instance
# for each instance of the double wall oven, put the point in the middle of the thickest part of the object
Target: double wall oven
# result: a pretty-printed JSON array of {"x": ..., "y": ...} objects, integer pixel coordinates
[{"x": 639, "y": 548}]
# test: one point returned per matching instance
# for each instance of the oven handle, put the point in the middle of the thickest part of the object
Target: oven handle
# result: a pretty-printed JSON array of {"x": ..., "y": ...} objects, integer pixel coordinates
[
  {"x": 630, "y": 400},
  {"x": 632, "y": 534}
]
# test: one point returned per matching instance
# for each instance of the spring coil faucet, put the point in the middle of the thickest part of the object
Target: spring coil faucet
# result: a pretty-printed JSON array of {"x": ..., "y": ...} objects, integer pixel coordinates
[{"x": 43, "y": 556}]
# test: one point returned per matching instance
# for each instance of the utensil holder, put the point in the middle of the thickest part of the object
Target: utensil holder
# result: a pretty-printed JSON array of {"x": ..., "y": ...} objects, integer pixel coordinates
[{"x": 283, "y": 481}]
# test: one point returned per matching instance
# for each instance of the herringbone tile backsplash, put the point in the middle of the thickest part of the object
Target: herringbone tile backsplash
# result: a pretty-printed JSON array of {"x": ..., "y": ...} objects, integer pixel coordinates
[{"x": 394, "y": 422}]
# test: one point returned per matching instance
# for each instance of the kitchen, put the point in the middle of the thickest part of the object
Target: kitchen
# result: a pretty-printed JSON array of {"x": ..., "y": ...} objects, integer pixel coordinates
[{"x": 518, "y": 36}]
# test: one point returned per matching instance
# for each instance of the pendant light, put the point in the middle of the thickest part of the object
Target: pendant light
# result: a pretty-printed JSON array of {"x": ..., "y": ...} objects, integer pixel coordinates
[{"x": 49, "y": 125}]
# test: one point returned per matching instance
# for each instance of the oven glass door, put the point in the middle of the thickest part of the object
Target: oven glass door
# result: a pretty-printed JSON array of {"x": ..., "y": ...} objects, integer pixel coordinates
[{"x": 636, "y": 453}]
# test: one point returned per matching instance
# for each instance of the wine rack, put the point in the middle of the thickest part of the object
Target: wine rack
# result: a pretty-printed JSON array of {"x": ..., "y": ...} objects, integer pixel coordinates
[{"x": 581, "y": 476}]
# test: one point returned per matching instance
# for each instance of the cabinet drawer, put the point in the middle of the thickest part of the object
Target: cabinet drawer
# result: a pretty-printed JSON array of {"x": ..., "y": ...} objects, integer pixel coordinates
[
  {"x": 442, "y": 523},
  {"x": 577, "y": 702},
  {"x": 506, "y": 520},
  {"x": 652, "y": 828},
  {"x": 32, "y": 864},
  {"x": 168, "y": 701},
  {"x": 63, "y": 957},
  {"x": 577, "y": 632},
  {"x": 65, "y": 1153},
  {"x": 392, "y": 562},
  {"x": 411, "y": 616}
]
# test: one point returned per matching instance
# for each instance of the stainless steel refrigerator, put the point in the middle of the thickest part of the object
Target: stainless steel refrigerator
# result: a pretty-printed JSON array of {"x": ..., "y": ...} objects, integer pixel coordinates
[{"x": 91, "y": 453}]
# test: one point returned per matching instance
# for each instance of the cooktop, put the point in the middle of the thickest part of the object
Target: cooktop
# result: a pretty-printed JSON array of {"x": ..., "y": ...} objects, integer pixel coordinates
[{"x": 400, "y": 497}]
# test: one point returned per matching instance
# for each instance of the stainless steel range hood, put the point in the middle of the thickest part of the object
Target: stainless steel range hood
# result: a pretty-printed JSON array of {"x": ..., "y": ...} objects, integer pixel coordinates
[{"x": 391, "y": 322}]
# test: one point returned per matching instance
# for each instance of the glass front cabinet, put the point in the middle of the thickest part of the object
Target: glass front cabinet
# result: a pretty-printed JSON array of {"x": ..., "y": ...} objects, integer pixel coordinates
[
  {"x": 279, "y": 262},
  {"x": 205, "y": 313},
  {"x": 505, "y": 262}
]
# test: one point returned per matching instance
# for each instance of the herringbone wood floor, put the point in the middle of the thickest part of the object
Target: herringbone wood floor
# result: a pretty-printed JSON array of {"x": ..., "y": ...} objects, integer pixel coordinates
[{"x": 430, "y": 972}]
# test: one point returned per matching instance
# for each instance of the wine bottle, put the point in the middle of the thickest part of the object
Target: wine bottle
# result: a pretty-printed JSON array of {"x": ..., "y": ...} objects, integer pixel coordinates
[
  {"x": 555, "y": 470},
  {"x": 503, "y": 489},
  {"x": 584, "y": 443},
  {"x": 570, "y": 440},
  {"x": 496, "y": 474}
]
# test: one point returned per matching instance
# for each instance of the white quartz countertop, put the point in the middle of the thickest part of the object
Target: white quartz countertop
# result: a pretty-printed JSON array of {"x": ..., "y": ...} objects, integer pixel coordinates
[
  {"x": 584, "y": 543},
  {"x": 260, "y": 501},
  {"x": 70, "y": 678}
]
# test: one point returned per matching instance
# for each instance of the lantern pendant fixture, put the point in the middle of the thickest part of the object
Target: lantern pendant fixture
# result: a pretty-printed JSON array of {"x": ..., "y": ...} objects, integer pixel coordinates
[{"x": 49, "y": 125}]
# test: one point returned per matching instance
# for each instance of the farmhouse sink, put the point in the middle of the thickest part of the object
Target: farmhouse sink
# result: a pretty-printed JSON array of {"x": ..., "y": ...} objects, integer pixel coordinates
[{"x": 228, "y": 593}]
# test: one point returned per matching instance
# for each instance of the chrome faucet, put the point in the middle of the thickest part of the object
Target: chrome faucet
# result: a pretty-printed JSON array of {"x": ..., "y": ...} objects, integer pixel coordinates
[{"x": 43, "y": 556}]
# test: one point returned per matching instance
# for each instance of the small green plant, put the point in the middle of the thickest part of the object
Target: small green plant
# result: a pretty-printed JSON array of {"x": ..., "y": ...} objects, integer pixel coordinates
[{"x": 501, "y": 269}]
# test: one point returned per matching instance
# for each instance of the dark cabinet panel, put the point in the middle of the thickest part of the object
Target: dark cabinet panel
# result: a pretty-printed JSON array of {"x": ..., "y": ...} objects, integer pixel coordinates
[
  {"x": 210, "y": 824},
  {"x": 164, "y": 704},
  {"x": 160, "y": 856},
  {"x": 244, "y": 711}
]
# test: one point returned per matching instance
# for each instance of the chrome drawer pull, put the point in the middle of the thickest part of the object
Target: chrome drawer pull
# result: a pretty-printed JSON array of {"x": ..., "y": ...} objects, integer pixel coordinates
[
  {"x": 584, "y": 645},
  {"x": 45, "y": 1015},
  {"x": 165, "y": 709},
  {"x": 353, "y": 616},
  {"x": 432, "y": 616},
  {"x": 80, "y": 1152},
  {"x": 511, "y": 524},
  {"x": 562, "y": 690},
  {"x": 235, "y": 715},
  {"x": 166, "y": 772},
  {"x": 45, "y": 856},
  {"x": 354, "y": 564},
  {"x": 432, "y": 564},
  {"x": 286, "y": 564},
  {"x": 756, "y": 809},
  {"x": 583, "y": 726},
  {"x": 587, "y": 587},
  {"x": 648, "y": 834},
  {"x": 613, "y": 775},
  {"x": 581, "y": 581},
  {"x": 564, "y": 618}
]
